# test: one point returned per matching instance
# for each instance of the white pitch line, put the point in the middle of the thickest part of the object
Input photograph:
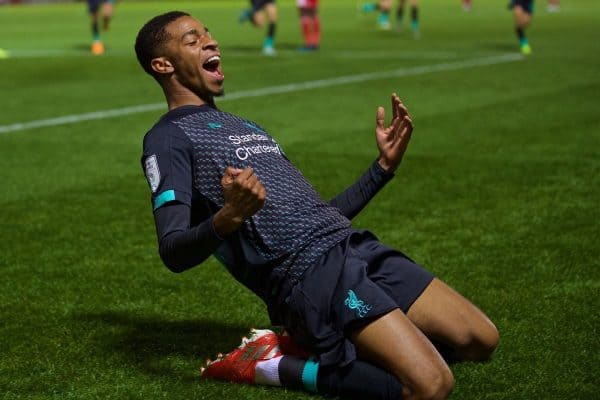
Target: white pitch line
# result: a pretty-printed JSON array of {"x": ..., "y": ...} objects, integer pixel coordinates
[
  {"x": 280, "y": 89},
  {"x": 394, "y": 55}
]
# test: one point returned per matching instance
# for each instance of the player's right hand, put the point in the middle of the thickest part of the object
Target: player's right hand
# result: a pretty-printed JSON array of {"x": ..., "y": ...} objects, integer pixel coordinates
[
  {"x": 244, "y": 196},
  {"x": 392, "y": 140}
]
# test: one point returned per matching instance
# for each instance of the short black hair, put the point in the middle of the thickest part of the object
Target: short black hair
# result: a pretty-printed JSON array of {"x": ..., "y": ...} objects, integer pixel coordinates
[{"x": 152, "y": 36}]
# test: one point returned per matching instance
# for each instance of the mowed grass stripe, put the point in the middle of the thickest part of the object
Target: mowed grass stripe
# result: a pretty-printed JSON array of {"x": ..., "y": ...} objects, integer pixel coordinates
[{"x": 267, "y": 91}]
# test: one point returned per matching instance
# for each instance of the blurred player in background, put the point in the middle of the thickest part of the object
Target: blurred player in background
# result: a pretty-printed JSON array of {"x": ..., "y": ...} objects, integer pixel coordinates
[
  {"x": 385, "y": 7},
  {"x": 99, "y": 9},
  {"x": 467, "y": 5},
  {"x": 522, "y": 11},
  {"x": 310, "y": 24},
  {"x": 256, "y": 14},
  {"x": 553, "y": 6},
  {"x": 414, "y": 16}
]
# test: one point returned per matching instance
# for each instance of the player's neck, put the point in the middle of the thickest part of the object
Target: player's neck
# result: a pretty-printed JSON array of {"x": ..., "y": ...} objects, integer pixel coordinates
[
  {"x": 175, "y": 100},
  {"x": 181, "y": 96}
]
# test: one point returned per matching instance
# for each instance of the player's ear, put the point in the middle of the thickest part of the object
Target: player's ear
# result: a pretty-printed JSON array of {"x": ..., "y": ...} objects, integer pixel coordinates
[{"x": 162, "y": 65}]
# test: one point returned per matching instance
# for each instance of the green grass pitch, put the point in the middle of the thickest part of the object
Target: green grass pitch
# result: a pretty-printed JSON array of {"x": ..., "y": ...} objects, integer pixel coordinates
[{"x": 498, "y": 194}]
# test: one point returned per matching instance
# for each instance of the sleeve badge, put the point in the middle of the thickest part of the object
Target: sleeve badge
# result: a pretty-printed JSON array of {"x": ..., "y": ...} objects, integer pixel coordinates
[{"x": 152, "y": 172}]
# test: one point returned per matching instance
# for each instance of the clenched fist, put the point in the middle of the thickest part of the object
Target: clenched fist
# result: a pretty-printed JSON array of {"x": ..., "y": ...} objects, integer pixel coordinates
[{"x": 244, "y": 196}]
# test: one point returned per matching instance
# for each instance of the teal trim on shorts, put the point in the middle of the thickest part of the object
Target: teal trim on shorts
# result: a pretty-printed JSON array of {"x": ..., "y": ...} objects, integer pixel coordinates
[
  {"x": 309, "y": 376},
  {"x": 164, "y": 197}
]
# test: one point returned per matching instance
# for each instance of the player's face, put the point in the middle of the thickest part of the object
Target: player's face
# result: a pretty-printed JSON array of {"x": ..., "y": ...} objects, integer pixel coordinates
[{"x": 195, "y": 56}]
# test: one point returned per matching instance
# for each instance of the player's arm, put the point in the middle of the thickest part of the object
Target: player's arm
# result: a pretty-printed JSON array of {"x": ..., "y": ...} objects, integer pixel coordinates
[
  {"x": 352, "y": 200},
  {"x": 168, "y": 164},
  {"x": 182, "y": 247},
  {"x": 391, "y": 142}
]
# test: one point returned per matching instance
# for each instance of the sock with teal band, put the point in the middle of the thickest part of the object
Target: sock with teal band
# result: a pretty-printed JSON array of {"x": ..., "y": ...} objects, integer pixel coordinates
[
  {"x": 358, "y": 380},
  {"x": 309, "y": 376},
  {"x": 414, "y": 12},
  {"x": 95, "y": 31},
  {"x": 297, "y": 373}
]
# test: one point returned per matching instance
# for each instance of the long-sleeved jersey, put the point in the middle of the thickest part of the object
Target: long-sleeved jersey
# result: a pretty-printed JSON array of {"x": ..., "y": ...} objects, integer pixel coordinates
[{"x": 184, "y": 158}]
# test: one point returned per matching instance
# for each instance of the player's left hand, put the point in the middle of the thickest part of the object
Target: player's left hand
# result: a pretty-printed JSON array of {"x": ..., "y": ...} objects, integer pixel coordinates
[{"x": 393, "y": 139}]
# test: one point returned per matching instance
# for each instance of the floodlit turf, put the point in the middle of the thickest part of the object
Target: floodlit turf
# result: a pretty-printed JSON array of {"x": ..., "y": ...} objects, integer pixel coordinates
[{"x": 498, "y": 194}]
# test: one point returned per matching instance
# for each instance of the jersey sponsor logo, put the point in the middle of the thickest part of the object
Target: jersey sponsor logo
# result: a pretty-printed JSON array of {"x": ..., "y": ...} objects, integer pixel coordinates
[
  {"x": 356, "y": 304},
  {"x": 152, "y": 172},
  {"x": 265, "y": 145},
  {"x": 243, "y": 153},
  {"x": 239, "y": 139}
]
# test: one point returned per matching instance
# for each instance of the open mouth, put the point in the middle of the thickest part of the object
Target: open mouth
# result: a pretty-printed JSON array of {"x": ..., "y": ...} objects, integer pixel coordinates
[{"x": 213, "y": 65}]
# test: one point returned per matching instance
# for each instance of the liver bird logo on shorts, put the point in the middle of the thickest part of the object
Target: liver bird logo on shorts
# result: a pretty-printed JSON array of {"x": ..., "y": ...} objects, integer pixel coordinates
[{"x": 354, "y": 303}]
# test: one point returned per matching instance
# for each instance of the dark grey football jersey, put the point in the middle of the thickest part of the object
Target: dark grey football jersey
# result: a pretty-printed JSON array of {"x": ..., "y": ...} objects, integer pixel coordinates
[{"x": 294, "y": 227}]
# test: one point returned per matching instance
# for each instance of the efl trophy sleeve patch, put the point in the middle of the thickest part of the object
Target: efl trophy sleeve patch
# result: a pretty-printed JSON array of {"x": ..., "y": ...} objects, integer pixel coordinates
[{"x": 152, "y": 172}]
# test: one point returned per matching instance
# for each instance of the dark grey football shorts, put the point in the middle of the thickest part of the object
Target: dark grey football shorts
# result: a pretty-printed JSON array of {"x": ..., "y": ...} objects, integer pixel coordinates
[{"x": 357, "y": 281}]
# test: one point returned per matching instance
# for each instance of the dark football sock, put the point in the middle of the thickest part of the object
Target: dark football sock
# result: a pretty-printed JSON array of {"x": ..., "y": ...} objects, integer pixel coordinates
[
  {"x": 297, "y": 373},
  {"x": 359, "y": 380},
  {"x": 414, "y": 13},
  {"x": 271, "y": 30},
  {"x": 399, "y": 14},
  {"x": 95, "y": 30}
]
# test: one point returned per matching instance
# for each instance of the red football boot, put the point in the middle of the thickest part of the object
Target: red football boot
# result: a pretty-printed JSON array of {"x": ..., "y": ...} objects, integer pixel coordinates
[{"x": 239, "y": 366}]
